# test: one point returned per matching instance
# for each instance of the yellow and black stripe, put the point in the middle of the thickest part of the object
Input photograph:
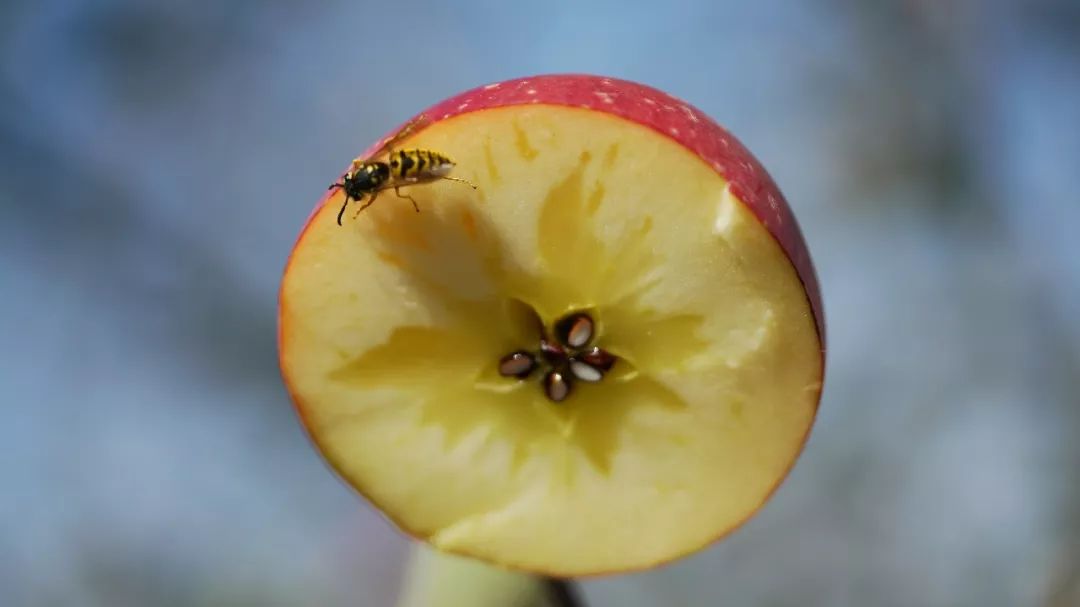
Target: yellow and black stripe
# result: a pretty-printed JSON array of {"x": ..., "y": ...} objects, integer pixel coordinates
[{"x": 415, "y": 163}]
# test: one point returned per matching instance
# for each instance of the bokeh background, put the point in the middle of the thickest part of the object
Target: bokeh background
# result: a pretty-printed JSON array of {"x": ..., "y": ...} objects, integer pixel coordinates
[{"x": 157, "y": 160}]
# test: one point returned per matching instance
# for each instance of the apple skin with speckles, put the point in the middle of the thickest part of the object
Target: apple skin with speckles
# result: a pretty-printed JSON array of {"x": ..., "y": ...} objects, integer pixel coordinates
[{"x": 672, "y": 117}]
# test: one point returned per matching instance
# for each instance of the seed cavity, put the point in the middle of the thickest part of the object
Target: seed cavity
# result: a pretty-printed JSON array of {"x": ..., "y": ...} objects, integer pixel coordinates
[
  {"x": 556, "y": 386},
  {"x": 517, "y": 364},
  {"x": 553, "y": 353},
  {"x": 599, "y": 359},
  {"x": 584, "y": 372},
  {"x": 575, "y": 330},
  {"x": 565, "y": 358}
]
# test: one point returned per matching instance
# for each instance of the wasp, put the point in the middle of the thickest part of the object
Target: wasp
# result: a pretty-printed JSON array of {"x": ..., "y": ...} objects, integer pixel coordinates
[{"x": 401, "y": 168}]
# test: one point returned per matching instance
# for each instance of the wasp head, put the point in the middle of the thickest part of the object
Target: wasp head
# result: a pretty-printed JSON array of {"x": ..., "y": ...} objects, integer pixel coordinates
[{"x": 366, "y": 179}]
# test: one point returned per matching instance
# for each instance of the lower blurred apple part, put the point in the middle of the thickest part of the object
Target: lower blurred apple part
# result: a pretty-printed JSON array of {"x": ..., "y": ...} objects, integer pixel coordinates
[{"x": 436, "y": 579}]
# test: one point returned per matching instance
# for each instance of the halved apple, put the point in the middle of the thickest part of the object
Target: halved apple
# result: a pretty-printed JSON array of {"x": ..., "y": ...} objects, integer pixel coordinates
[{"x": 605, "y": 358}]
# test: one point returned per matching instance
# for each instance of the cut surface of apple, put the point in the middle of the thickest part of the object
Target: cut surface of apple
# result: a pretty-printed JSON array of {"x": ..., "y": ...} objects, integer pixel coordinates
[{"x": 599, "y": 226}]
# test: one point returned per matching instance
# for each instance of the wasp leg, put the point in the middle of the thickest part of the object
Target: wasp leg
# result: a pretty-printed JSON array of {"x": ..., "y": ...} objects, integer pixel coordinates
[
  {"x": 366, "y": 204},
  {"x": 397, "y": 191},
  {"x": 460, "y": 180}
]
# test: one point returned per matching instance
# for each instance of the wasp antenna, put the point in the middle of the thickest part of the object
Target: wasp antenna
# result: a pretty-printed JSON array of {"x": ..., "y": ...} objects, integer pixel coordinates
[{"x": 459, "y": 180}]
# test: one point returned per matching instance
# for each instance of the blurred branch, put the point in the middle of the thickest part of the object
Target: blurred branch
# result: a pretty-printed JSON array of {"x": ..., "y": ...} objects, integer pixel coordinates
[{"x": 564, "y": 594}]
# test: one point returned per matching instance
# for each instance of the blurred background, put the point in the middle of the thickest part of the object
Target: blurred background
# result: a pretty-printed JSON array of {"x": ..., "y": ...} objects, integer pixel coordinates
[{"x": 159, "y": 158}]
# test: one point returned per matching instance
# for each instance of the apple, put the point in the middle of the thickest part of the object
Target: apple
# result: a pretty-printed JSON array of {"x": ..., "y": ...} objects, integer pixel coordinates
[{"x": 606, "y": 357}]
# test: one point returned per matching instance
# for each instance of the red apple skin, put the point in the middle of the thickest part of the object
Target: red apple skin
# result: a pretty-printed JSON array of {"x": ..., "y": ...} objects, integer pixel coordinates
[{"x": 669, "y": 116}]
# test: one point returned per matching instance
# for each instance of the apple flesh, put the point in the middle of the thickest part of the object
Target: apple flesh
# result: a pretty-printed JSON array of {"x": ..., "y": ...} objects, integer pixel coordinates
[{"x": 597, "y": 197}]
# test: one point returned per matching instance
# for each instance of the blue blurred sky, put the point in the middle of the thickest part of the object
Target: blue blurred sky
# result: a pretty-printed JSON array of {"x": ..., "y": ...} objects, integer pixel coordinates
[{"x": 159, "y": 158}]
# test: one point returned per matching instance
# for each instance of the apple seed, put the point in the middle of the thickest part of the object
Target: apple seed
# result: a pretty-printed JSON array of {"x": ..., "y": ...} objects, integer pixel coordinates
[{"x": 517, "y": 364}]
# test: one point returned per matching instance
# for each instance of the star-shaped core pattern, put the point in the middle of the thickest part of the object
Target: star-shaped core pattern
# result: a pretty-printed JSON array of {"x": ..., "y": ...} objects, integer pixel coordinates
[{"x": 566, "y": 358}]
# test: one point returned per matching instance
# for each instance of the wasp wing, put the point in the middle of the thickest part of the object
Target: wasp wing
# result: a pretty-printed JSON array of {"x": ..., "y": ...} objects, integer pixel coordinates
[{"x": 410, "y": 128}]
